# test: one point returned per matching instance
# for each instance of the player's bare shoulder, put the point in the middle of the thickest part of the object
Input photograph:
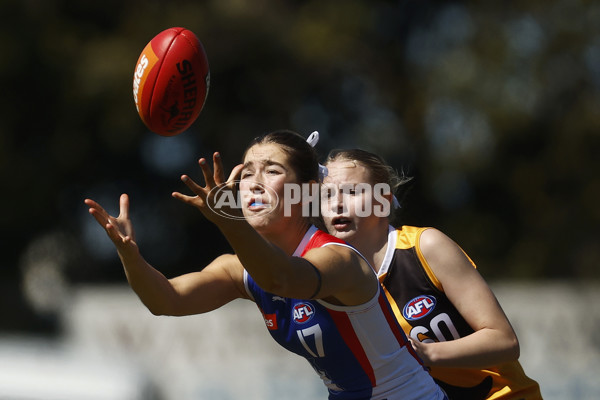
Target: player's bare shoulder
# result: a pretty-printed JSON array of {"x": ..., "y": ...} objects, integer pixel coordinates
[
  {"x": 434, "y": 243},
  {"x": 444, "y": 256},
  {"x": 334, "y": 254},
  {"x": 345, "y": 273}
]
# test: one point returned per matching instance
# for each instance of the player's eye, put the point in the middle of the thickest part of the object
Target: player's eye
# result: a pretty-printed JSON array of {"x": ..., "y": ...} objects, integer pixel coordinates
[
  {"x": 349, "y": 190},
  {"x": 328, "y": 192}
]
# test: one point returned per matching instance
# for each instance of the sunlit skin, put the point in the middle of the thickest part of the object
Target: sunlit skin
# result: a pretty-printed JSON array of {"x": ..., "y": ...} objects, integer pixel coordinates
[
  {"x": 263, "y": 244},
  {"x": 493, "y": 341},
  {"x": 263, "y": 178},
  {"x": 339, "y": 206}
]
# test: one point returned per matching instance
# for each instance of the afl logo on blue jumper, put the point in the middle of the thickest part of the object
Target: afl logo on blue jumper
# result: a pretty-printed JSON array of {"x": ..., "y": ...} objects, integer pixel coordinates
[
  {"x": 303, "y": 312},
  {"x": 418, "y": 307}
]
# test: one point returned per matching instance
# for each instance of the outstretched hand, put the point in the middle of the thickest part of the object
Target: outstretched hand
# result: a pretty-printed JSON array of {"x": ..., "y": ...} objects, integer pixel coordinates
[
  {"x": 204, "y": 199},
  {"x": 119, "y": 229}
]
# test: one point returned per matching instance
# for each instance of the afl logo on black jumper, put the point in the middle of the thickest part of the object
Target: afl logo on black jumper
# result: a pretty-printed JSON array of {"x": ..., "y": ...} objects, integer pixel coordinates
[{"x": 418, "y": 307}]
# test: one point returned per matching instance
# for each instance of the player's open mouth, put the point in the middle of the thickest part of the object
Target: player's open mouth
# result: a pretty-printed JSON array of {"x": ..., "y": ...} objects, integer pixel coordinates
[{"x": 341, "y": 223}]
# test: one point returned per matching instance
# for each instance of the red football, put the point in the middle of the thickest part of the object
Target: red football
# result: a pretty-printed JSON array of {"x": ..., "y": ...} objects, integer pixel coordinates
[{"x": 171, "y": 81}]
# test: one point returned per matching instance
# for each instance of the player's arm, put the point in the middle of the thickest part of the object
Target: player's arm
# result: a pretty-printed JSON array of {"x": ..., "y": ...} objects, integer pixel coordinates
[
  {"x": 338, "y": 273},
  {"x": 197, "y": 292},
  {"x": 494, "y": 340},
  {"x": 217, "y": 284},
  {"x": 332, "y": 272}
]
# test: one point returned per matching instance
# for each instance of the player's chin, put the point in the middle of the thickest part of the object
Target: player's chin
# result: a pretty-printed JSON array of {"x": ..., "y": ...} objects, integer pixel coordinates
[
  {"x": 341, "y": 232},
  {"x": 259, "y": 220}
]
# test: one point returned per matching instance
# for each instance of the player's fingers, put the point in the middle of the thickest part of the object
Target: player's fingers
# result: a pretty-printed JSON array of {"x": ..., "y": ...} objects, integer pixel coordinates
[
  {"x": 101, "y": 218},
  {"x": 207, "y": 172},
  {"x": 124, "y": 206},
  {"x": 118, "y": 238},
  {"x": 90, "y": 203},
  {"x": 235, "y": 174},
  {"x": 219, "y": 174},
  {"x": 194, "y": 187},
  {"x": 191, "y": 200},
  {"x": 412, "y": 343},
  {"x": 99, "y": 213},
  {"x": 95, "y": 206},
  {"x": 112, "y": 232},
  {"x": 234, "y": 178}
]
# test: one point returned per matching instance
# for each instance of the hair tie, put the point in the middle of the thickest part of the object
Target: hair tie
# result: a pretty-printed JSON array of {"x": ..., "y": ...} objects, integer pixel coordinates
[
  {"x": 395, "y": 202},
  {"x": 312, "y": 140}
]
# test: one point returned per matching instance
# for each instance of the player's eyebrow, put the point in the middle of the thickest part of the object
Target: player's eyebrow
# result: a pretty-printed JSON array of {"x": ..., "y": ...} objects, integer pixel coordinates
[{"x": 267, "y": 162}]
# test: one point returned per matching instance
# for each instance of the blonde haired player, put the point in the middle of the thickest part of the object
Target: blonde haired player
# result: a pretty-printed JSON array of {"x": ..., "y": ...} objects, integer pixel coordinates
[{"x": 447, "y": 310}]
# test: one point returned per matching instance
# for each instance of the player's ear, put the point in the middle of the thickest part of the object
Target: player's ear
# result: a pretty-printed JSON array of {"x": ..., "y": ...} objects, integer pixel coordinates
[{"x": 383, "y": 199}]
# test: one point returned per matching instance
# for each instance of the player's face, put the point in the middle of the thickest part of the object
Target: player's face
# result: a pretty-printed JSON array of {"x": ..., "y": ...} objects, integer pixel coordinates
[
  {"x": 349, "y": 200},
  {"x": 262, "y": 185}
]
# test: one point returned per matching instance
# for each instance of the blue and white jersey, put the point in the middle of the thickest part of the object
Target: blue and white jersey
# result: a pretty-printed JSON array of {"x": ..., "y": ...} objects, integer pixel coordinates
[{"x": 360, "y": 352}]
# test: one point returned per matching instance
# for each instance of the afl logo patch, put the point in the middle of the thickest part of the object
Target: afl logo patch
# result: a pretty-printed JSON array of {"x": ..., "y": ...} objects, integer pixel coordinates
[
  {"x": 303, "y": 312},
  {"x": 418, "y": 307}
]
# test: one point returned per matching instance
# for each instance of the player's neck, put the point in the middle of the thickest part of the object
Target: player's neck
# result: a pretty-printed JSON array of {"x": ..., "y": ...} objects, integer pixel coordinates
[
  {"x": 373, "y": 245},
  {"x": 379, "y": 253},
  {"x": 290, "y": 237}
]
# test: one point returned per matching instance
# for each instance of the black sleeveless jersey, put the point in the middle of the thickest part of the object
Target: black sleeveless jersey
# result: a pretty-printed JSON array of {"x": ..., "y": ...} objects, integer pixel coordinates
[{"x": 427, "y": 315}]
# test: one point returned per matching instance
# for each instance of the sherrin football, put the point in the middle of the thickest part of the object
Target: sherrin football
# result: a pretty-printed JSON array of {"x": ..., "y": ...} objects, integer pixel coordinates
[{"x": 171, "y": 81}]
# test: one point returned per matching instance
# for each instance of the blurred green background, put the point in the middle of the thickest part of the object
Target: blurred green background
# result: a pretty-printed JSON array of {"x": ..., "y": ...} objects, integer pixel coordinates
[{"x": 493, "y": 107}]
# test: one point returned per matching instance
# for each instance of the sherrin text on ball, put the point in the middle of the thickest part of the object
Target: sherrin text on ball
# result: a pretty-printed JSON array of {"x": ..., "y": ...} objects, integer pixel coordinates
[{"x": 171, "y": 81}]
